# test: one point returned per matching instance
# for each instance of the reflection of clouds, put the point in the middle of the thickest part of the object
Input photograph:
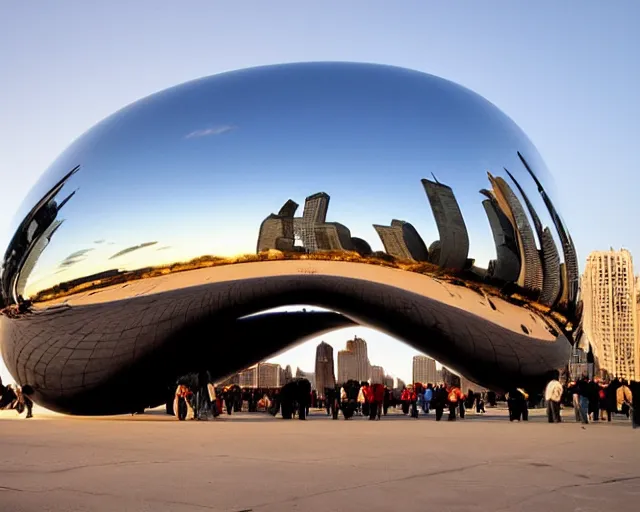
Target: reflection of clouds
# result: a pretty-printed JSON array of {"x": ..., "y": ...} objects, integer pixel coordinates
[
  {"x": 131, "y": 249},
  {"x": 74, "y": 258},
  {"x": 98, "y": 241},
  {"x": 217, "y": 130},
  {"x": 163, "y": 248}
]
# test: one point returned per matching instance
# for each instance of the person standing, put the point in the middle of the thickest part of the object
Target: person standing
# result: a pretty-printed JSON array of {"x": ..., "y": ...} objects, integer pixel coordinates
[
  {"x": 426, "y": 400},
  {"x": 553, "y": 396},
  {"x": 582, "y": 390}
]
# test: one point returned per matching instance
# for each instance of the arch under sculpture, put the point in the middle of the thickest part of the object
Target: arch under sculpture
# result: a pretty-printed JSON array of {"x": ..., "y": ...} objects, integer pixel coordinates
[{"x": 150, "y": 247}]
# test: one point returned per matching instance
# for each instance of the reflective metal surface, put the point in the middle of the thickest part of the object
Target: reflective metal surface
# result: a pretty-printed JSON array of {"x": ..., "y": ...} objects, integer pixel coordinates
[{"x": 398, "y": 199}]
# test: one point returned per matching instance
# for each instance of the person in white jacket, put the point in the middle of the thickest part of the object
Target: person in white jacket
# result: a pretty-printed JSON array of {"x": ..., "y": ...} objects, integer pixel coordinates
[{"x": 553, "y": 397}]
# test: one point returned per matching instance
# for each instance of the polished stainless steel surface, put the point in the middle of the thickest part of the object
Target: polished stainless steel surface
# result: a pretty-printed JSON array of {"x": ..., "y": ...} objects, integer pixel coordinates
[{"x": 357, "y": 173}]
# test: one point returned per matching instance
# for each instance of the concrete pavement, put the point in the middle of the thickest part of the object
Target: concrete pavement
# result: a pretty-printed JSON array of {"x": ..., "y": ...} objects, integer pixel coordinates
[{"x": 259, "y": 463}]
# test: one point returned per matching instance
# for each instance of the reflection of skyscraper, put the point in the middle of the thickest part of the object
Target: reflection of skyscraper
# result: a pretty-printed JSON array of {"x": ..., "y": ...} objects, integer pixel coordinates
[
  {"x": 34, "y": 255},
  {"x": 568, "y": 249},
  {"x": 315, "y": 212},
  {"x": 32, "y": 229},
  {"x": 610, "y": 318},
  {"x": 506, "y": 267},
  {"x": 549, "y": 253},
  {"x": 530, "y": 267},
  {"x": 454, "y": 240},
  {"x": 388, "y": 381},
  {"x": 276, "y": 231},
  {"x": 402, "y": 241},
  {"x": 361, "y": 246},
  {"x": 325, "y": 376},
  {"x": 332, "y": 236},
  {"x": 424, "y": 369}
]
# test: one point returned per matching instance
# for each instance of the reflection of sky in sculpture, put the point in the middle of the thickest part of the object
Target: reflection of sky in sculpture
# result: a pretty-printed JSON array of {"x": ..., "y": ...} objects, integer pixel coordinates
[{"x": 198, "y": 167}]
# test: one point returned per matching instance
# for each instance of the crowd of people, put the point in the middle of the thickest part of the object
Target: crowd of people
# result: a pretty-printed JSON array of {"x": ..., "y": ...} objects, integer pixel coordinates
[{"x": 16, "y": 398}]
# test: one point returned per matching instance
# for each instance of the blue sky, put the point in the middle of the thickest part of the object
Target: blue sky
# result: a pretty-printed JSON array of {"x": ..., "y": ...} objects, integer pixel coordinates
[{"x": 568, "y": 74}]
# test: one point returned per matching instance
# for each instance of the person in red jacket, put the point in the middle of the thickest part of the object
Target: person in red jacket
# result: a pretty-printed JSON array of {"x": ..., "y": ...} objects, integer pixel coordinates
[
  {"x": 413, "y": 400},
  {"x": 405, "y": 398},
  {"x": 377, "y": 397},
  {"x": 454, "y": 396}
]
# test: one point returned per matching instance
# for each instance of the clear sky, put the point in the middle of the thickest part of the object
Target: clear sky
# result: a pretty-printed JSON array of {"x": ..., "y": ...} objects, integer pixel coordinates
[{"x": 567, "y": 72}]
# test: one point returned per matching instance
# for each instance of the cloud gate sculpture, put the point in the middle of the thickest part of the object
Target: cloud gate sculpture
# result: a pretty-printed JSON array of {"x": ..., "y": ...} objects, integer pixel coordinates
[{"x": 157, "y": 243}]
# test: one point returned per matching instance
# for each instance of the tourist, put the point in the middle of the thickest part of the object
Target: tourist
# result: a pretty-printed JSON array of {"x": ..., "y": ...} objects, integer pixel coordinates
[
  {"x": 553, "y": 396},
  {"x": 426, "y": 400},
  {"x": 479, "y": 404},
  {"x": 634, "y": 387},
  {"x": 583, "y": 389},
  {"x": 182, "y": 406},
  {"x": 386, "y": 401},
  {"x": 17, "y": 399},
  {"x": 624, "y": 398},
  {"x": 517, "y": 403},
  {"x": 439, "y": 401},
  {"x": 612, "y": 398},
  {"x": 413, "y": 401},
  {"x": 594, "y": 399},
  {"x": 405, "y": 398},
  {"x": 454, "y": 395}
]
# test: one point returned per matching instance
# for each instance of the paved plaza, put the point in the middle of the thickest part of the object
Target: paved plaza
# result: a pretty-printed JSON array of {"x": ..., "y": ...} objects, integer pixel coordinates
[{"x": 253, "y": 462}]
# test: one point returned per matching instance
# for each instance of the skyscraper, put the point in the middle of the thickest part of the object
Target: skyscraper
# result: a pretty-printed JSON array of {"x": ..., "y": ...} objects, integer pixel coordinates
[
  {"x": 531, "y": 275},
  {"x": 268, "y": 375},
  {"x": 377, "y": 375},
  {"x": 358, "y": 347},
  {"x": 454, "y": 239},
  {"x": 332, "y": 236},
  {"x": 325, "y": 375},
  {"x": 610, "y": 316},
  {"x": 346, "y": 366},
  {"x": 310, "y": 376},
  {"x": 424, "y": 369}
]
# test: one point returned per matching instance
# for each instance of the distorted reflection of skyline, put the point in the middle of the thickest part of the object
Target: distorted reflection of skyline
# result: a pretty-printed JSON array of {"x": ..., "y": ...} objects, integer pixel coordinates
[{"x": 197, "y": 168}]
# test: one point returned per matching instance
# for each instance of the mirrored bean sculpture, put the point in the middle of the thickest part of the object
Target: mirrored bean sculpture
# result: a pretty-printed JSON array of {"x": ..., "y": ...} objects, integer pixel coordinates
[{"x": 159, "y": 241}]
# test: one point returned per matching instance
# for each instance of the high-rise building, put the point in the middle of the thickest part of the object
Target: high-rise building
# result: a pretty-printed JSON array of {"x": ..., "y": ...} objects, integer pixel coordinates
[
  {"x": 269, "y": 375},
  {"x": 377, "y": 375},
  {"x": 249, "y": 378},
  {"x": 531, "y": 275},
  {"x": 424, "y": 369},
  {"x": 310, "y": 376},
  {"x": 359, "y": 348},
  {"x": 346, "y": 366},
  {"x": 610, "y": 316},
  {"x": 400, "y": 384},
  {"x": 288, "y": 374},
  {"x": 325, "y": 375},
  {"x": 454, "y": 239},
  {"x": 388, "y": 381}
]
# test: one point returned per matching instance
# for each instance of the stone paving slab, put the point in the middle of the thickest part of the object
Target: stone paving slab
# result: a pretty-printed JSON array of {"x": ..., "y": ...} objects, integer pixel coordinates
[{"x": 258, "y": 463}]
